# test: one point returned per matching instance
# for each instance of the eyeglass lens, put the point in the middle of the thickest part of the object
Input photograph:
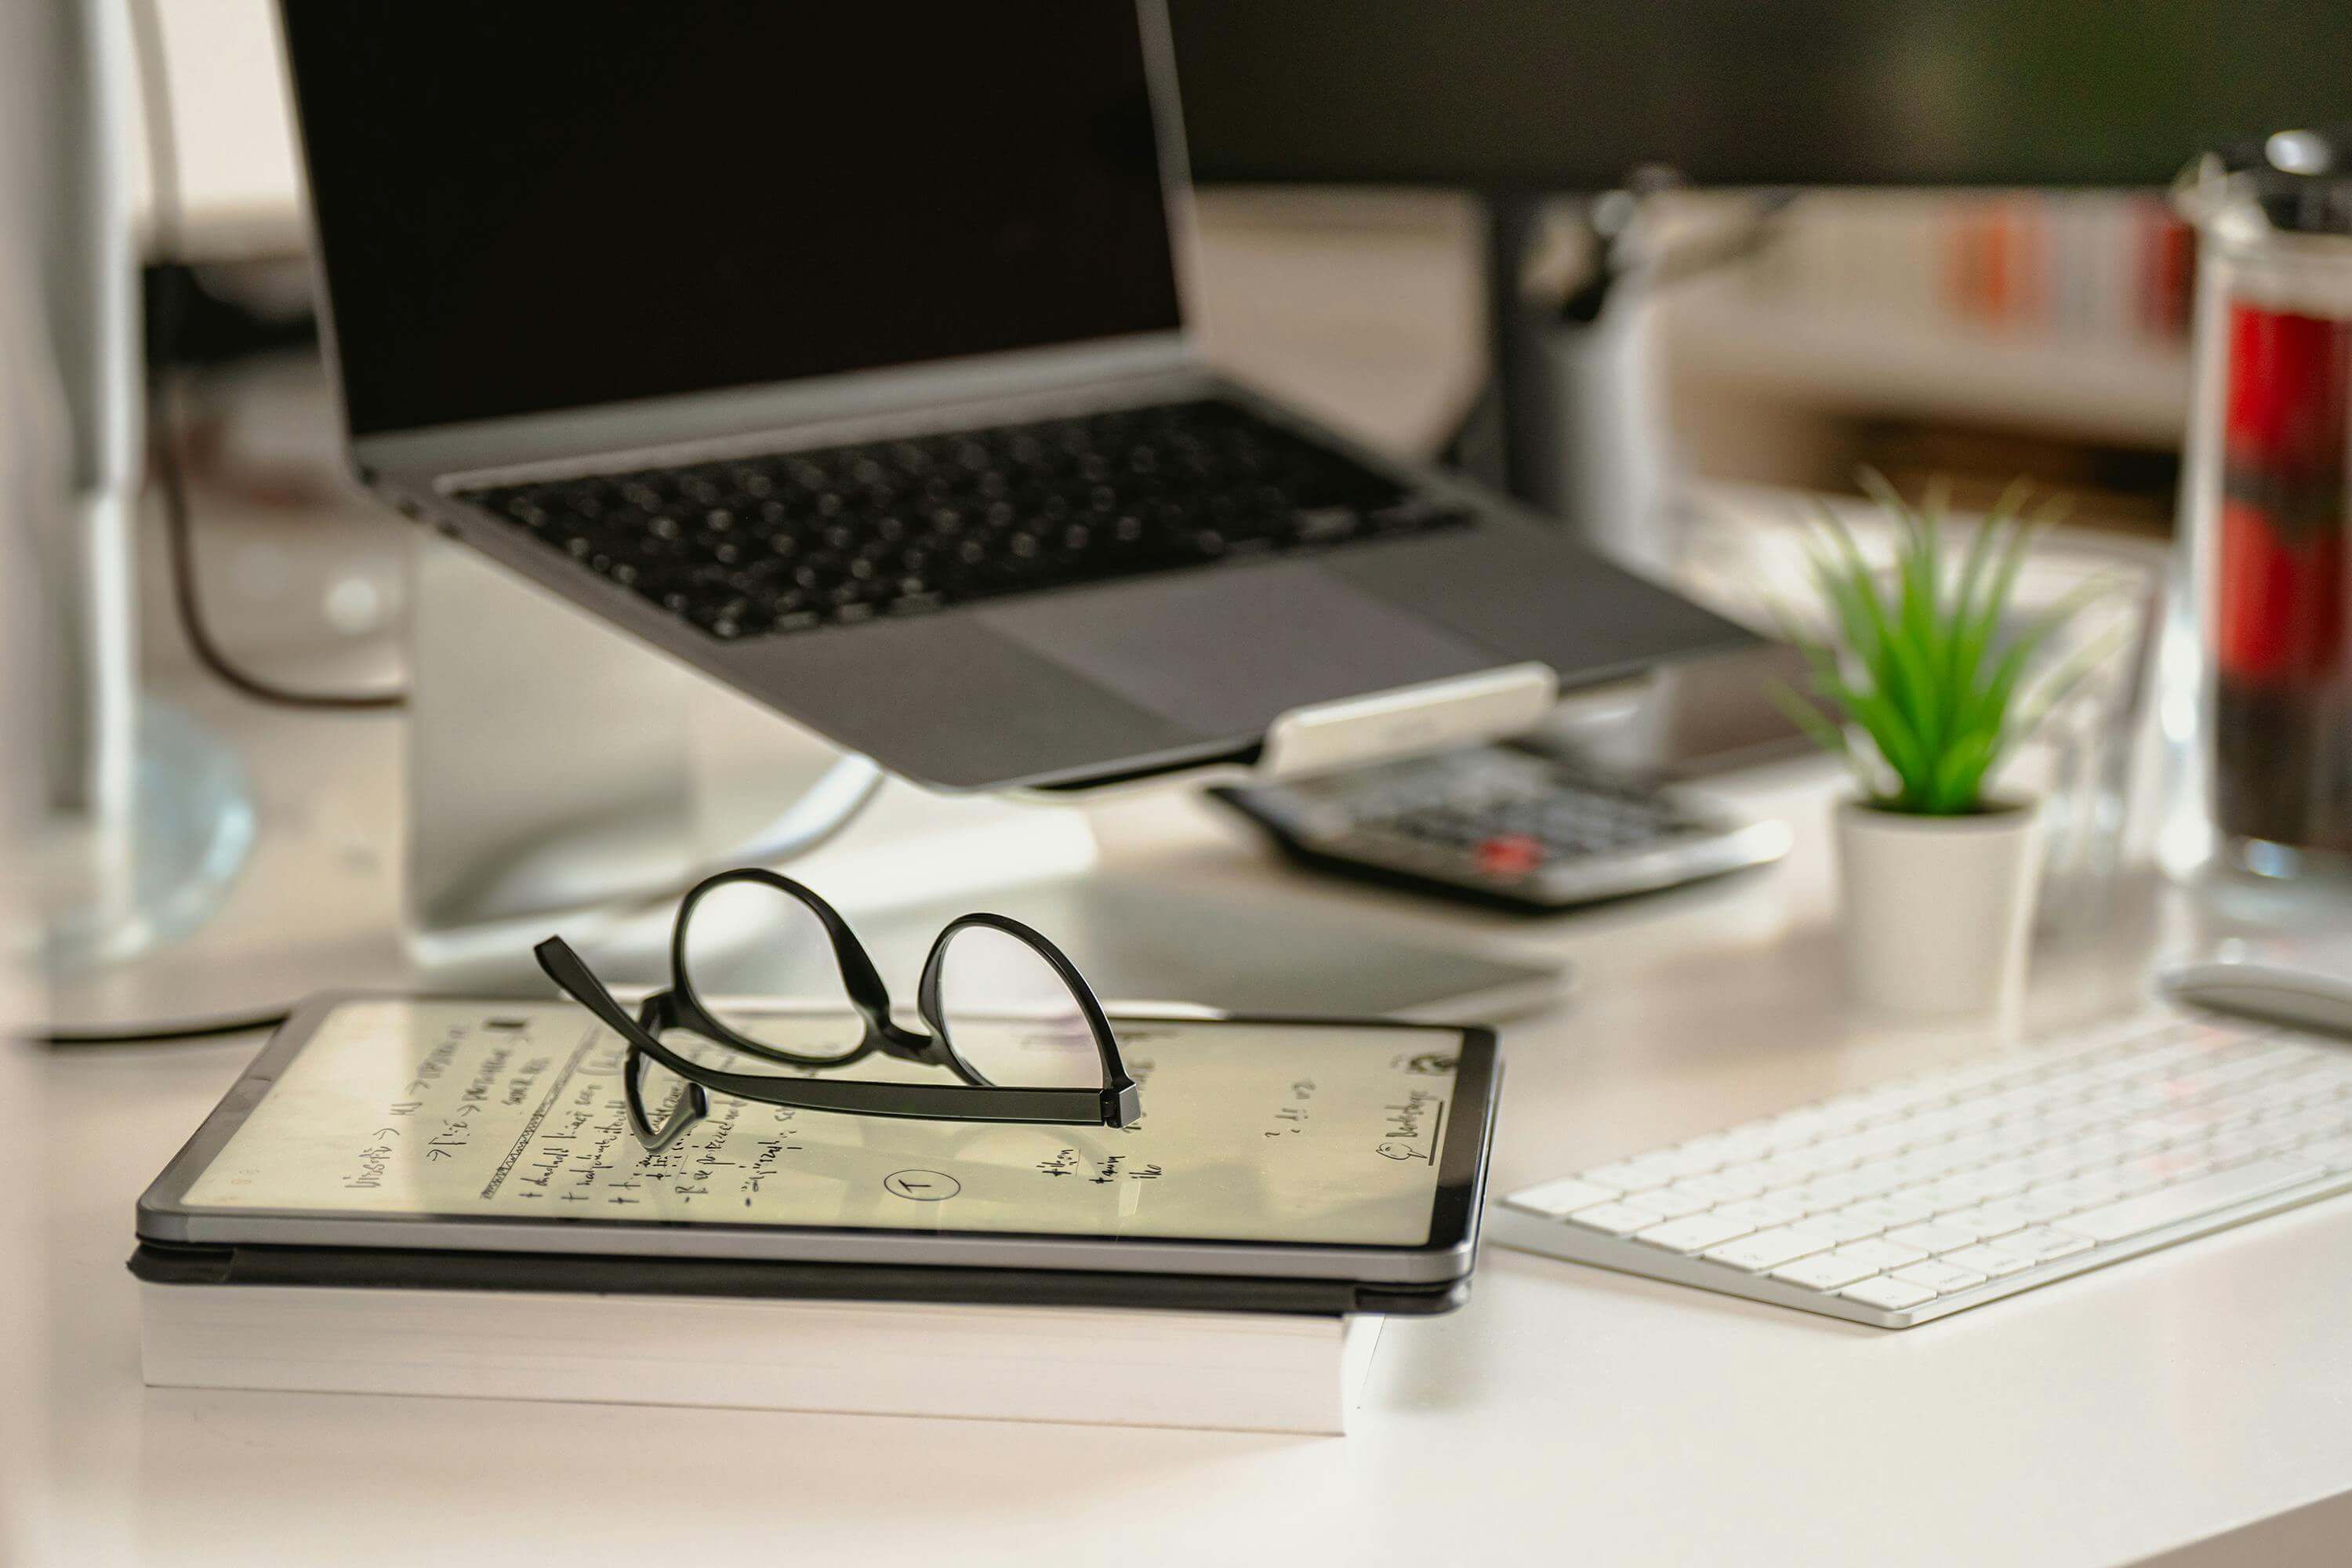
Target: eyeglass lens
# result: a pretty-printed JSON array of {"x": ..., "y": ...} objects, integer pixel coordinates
[
  {"x": 1010, "y": 1016},
  {"x": 747, "y": 941}
]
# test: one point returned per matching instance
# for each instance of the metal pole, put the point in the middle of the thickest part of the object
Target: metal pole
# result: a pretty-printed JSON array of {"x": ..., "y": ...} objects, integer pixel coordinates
[{"x": 1512, "y": 346}]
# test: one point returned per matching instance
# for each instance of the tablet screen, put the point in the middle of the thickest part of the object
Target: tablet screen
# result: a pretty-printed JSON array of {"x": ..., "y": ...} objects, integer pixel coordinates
[{"x": 1251, "y": 1132}]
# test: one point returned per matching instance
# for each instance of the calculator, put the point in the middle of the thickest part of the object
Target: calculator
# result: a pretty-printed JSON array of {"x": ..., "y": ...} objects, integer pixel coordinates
[{"x": 1503, "y": 823}]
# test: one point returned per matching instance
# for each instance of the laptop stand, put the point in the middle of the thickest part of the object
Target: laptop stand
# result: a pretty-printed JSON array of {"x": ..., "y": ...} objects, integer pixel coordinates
[{"x": 563, "y": 776}]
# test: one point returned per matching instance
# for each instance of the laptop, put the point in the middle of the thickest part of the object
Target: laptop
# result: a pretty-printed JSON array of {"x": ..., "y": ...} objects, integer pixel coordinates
[{"x": 841, "y": 353}]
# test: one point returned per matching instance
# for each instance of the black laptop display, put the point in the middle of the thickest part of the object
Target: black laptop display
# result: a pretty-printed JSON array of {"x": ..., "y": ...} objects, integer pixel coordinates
[{"x": 528, "y": 207}]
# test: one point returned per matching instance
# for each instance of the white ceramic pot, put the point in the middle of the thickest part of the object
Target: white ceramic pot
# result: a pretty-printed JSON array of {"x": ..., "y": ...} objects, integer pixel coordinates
[{"x": 1937, "y": 912}]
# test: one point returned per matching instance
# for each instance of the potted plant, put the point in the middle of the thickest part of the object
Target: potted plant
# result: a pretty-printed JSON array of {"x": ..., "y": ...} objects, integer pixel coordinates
[{"x": 1925, "y": 683}]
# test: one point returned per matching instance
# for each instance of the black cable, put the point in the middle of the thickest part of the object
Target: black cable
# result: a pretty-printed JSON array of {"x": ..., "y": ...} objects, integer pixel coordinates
[
  {"x": 190, "y": 1030},
  {"x": 179, "y": 534},
  {"x": 179, "y": 545}
]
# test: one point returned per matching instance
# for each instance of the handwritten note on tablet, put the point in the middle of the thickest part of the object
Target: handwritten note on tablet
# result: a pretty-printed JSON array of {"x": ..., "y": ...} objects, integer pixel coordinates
[{"x": 1317, "y": 1133}]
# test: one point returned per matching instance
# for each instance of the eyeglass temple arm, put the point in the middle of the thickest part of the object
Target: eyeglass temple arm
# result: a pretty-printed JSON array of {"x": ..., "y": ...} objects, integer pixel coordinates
[{"x": 574, "y": 978}]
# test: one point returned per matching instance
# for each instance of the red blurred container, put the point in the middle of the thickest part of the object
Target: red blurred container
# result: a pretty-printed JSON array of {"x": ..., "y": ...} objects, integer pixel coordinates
[{"x": 2268, "y": 500}]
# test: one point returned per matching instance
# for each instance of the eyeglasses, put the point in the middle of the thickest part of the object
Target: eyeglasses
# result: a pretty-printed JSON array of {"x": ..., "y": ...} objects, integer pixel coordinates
[{"x": 1009, "y": 1014}]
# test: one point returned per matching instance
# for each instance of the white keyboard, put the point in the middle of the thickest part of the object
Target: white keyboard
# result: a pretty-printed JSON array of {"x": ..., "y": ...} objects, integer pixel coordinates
[{"x": 1942, "y": 1191}]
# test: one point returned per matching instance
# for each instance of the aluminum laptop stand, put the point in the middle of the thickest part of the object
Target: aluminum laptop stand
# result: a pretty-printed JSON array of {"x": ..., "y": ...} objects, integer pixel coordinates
[{"x": 563, "y": 776}]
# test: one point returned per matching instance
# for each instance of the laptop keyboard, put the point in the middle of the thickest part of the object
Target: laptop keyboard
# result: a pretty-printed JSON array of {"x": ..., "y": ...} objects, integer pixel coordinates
[{"x": 752, "y": 547}]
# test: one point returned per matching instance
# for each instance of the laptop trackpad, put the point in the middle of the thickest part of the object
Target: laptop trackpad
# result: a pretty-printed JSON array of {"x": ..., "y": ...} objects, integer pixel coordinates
[{"x": 1227, "y": 650}]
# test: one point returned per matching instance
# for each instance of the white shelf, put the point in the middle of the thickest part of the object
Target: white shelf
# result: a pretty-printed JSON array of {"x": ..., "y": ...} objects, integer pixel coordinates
[{"x": 2134, "y": 394}]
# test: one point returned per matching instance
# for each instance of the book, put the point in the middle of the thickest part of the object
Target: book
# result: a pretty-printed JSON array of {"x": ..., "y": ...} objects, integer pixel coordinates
[{"x": 1252, "y": 1371}]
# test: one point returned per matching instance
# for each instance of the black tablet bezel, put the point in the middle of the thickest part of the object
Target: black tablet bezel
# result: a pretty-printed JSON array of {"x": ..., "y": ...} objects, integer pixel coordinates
[
  {"x": 381, "y": 1267},
  {"x": 166, "y": 1219}
]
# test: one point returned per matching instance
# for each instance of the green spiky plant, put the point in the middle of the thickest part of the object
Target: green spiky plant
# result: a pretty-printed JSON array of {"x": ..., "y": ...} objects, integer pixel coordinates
[{"x": 1924, "y": 659}]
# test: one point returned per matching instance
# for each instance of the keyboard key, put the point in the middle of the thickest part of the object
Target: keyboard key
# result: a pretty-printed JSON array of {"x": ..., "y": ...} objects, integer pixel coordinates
[
  {"x": 1625, "y": 1178},
  {"x": 2259, "y": 1138},
  {"x": 2088, "y": 1190},
  {"x": 1951, "y": 1194},
  {"x": 1883, "y": 1253},
  {"x": 2042, "y": 1243},
  {"x": 1824, "y": 1271},
  {"x": 1819, "y": 1159},
  {"x": 1709, "y": 1191},
  {"x": 1768, "y": 1210},
  {"x": 1834, "y": 1192},
  {"x": 1717, "y": 1148},
  {"x": 2042, "y": 1204},
  {"x": 1988, "y": 1259},
  {"x": 1938, "y": 1236},
  {"x": 1559, "y": 1199},
  {"x": 1666, "y": 1203},
  {"x": 1989, "y": 1220},
  {"x": 1891, "y": 1294},
  {"x": 1741, "y": 1181},
  {"x": 2336, "y": 1153},
  {"x": 1695, "y": 1233},
  {"x": 1842, "y": 1225},
  {"x": 1768, "y": 1249},
  {"x": 2145, "y": 1174},
  {"x": 1888, "y": 1212},
  {"x": 1740, "y": 1146},
  {"x": 2327, "y": 1121},
  {"x": 1941, "y": 1277},
  {"x": 2170, "y": 1205},
  {"x": 1686, "y": 1161},
  {"x": 1615, "y": 1219}
]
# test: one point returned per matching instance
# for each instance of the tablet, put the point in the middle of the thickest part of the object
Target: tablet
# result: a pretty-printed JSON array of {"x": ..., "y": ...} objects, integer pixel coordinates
[{"x": 1268, "y": 1150}]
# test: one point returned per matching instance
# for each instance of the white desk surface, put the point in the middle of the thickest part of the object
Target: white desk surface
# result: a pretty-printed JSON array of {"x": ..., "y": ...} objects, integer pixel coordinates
[{"x": 1564, "y": 1415}]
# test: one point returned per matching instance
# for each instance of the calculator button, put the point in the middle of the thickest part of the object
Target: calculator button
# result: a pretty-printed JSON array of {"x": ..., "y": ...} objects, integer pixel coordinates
[{"x": 1511, "y": 854}]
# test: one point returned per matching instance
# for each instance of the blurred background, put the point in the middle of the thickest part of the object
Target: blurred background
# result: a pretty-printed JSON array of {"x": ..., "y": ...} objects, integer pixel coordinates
[
  {"x": 1667, "y": 273},
  {"x": 1368, "y": 173}
]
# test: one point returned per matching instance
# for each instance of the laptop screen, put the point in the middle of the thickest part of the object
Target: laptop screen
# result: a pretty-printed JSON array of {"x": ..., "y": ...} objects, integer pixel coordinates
[{"x": 526, "y": 207}]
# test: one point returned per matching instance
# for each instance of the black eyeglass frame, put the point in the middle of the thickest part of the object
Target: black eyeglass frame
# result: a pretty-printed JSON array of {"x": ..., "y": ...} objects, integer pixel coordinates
[{"x": 1115, "y": 1103}]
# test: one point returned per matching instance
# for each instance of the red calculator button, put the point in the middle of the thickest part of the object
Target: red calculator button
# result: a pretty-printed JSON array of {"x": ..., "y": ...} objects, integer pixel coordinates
[{"x": 1512, "y": 855}]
